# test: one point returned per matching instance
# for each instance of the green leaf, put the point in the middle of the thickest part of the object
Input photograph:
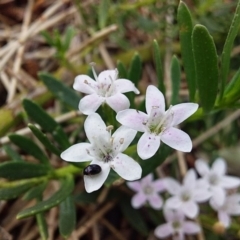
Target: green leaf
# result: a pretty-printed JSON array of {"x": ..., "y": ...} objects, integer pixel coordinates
[
  {"x": 135, "y": 70},
  {"x": 60, "y": 90},
  {"x": 67, "y": 216},
  {"x": 206, "y": 65},
  {"x": 176, "y": 78},
  {"x": 44, "y": 140},
  {"x": 29, "y": 147},
  {"x": 103, "y": 13},
  {"x": 20, "y": 170},
  {"x": 158, "y": 66},
  {"x": 69, "y": 34},
  {"x": 14, "y": 191},
  {"x": 12, "y": 153},
  {"x": 185, "y": 32},
  {"x": 122, "y": 71},
  {"x": 61, "y": 137},
  {"x": 225, "y": 58},
  {"x": 87, "y": 198},
  {"x": 35, "y": 112},
  {"x": 42, "y": 226},
  {"x": 64, "y": 191},
  {"x": 35, "y": 192},
  {"x": 48, "y": 38}
]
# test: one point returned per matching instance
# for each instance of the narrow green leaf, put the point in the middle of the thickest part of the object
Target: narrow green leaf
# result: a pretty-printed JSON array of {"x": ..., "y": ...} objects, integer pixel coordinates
[
  {"x": 68, "y": 37},
  {"x": 103, "y": 13},
  {"x": 35, "y": 192},
  {"x": 225, "y": 58},
  {"x": 48, "y": 38},
  {"x": 122, "y": 71},
  {"x": 14, "y": 192},
  {"x": 20, "y": 170},
  {"x": 61, "y": 137},
  {"x": 35, "y": 112},
  {"x": 67, "y": 216},
  {"x": 176, "y": 78},
  {"x": 64, "y": 93},
  {"x": 42, "y": 226},
  {"x": 87, "y": 198},
  {"x": 158, "y": 66},
  {"x": 185, "y": 32},
  {"x": 206, "y": 65},
  {"x": 44, "y": 140},
  {"x": 64, "y": 191},
  {"x": 135, "y": 70},
  {"x": 29, "y": 147},
  {"x": 12, "y": 153}
]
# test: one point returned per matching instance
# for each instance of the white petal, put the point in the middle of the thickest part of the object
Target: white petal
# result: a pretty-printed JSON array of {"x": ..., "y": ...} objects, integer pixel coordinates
[
  {"x": 189, "y": 180},
  {"x": 77, "y": 153},
  {"x": 133, "y": 119},
  {"x": 155, "y": 201},
  {"x": 164, "y": 230},
  {"x": 90, "y": 103},
  {"x": 190, "y": 227},
  {"x": 107, "y": 77},
  {"x": 230, "y": 182},
  {"x": 218, "y": 195},
  {"x": 84, "y": 84},
  {"x": 126, "y": 167},
  {"x": 173, "y": 203},
  {"x": 94, "y": 127},
  {"x": 154, "y": 98},
  {"x": 233, "y": 204},
  {"x": 190, "y": 209},
  {"x": 94, "y": 182},
  {"x": 118, "y": 102},
  {"x": 183, "y": 111},
  {"x": 124, "y": 85},
  {"x": 219, "y": 166},
  {"x": 135, "y": 186},
  {"x": 177, "y": 139},
  {"x": 224, "y": 218},
  {"x": 148, "y": 145},
  {"x": 201, "y": 195},
  {"x": 172, "y": 186},
  {"x": 138, "y": 200},
  {"x": 202, "y": 167}
]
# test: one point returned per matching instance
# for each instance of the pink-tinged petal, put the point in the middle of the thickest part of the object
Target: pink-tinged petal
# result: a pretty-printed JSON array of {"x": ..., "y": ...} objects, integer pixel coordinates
[
  {"x": 189, "y": 180},
  {"x": 177, "y": 139},
  {"x": 233, "y": 204},
  {"x": 154, "y": 98},
  {"x": 90, "y": 103},
  {"x": 124, "y": 85},
  {"x": 94, "y": 127},
  {"x": 229, "y": 182},
  {"x": 126, "y": 167},
  {"x": 118, "y": 102},
  {"x": 218, "y": 195},
  {"x": 201, "y": 195},
  {"x": 224, "y": 218},
  {"x": 84, "y": 84},
  {"x": 133, "y": 119},
  {"x": 138, "y": 200},
  {"x": 172, "y": 186},
  {"x": 190, "y": 227},
  {"x": 147, "y": 180},
  {"x": 179, "y": 236},
  {"x": 148, "y": 145},
  {"x": 169, "y": 214},
  {"x": 122, "y": 138},
  {"x": 173, "y": 203},
  {"x": 135, "y": 186},
  {"x": 77, "y": 153},
  {"x": 202, "y": 167},
  {"x": 107, "y": 77},
  {"x": 155, "y": 201},
  {"x": 94, "y": 182},
  {"x": 190, "y": 209},
  {"x": 183, "y": 111},
  {"x": 164, "y": 230},
  {"x": 159, "y": 185},
  {"x": 179, "y": 215},
  {"x": 219, "y": 166}
]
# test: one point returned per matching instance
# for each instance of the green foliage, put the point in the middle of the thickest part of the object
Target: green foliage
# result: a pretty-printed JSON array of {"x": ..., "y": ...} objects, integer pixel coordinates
[
  {"x": 42, "y": 225},
  {"x": 35, "y": 192},
  {"x": 103, "y": 13},
  {"x": 12, "y": 153},
  {"x": 135, "y": 69},
  {"x": 122, "y": 71},
  {"x": 206, "y": 66}
]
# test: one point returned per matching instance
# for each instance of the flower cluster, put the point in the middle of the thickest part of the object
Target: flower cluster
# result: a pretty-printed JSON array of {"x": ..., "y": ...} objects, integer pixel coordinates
[
  {"x": 105, "y": 150},
  {"x": 212, "y": 186}
]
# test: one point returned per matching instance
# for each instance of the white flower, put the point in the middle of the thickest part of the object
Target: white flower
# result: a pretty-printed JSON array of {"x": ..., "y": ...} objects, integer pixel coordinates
[
  {"x": 215, "y": 179},
  {"x": 106, "y": 88},
  {"x": 187, "y": 195},
  {"x": 158, "y": 124},
  {"x": 104, "y": 150},
  {"x": 176, "y": 225},
  {"x": 147, "y": 191},
  {"x": 231, "y": 207}
]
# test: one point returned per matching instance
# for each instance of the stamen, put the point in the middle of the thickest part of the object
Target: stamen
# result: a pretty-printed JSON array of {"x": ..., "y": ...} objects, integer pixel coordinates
[
  {"x": 100, "y": 147},
  {"x": 121, "y": 140},
  {"x": 159, "y": 126},
  {"x": 92, "y": 64}
]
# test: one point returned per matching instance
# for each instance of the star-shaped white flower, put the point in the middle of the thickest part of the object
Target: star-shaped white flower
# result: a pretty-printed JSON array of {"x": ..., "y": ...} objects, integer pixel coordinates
[
  {"x": 176, "y": 225},
  {"x": 106, "y": 89},
  {"x": 215, "y": 179},
  {"x": 105, "y": 151},
  {"x": 158, "y": 124},
  {"x": 187, "y": 196},
  {"x": 147, "y": 191},
  {"x": 231, "y": 207}
]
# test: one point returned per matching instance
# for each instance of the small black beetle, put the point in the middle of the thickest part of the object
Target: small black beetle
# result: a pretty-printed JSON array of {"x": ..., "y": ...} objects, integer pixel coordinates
[{"x": 92, "y": 169}]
